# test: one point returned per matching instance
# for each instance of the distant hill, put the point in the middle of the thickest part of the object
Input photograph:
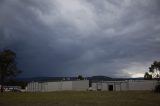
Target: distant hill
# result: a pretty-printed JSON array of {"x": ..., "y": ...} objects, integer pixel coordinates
[{"x": 100, "y": 78}]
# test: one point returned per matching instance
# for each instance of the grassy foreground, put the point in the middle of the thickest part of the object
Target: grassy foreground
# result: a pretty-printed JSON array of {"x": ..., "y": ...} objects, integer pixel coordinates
[{"x": 72, "y": 98}]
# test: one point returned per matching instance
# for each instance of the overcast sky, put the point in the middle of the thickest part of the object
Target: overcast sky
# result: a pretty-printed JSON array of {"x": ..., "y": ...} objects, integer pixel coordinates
[{"x": 116, "y": 38}]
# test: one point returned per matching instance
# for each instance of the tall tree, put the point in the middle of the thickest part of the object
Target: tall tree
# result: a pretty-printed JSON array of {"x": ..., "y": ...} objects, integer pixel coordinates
[
  {"x": 154, "y": 69},
  {"x": 8, "y": 67}
]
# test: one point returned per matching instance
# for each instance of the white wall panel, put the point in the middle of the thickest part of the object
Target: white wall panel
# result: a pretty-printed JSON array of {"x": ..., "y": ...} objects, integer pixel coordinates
[
  {"x": 66, "y": 85},
  {"x": 81, "y": 85},
  {"x": 142, "y": 85}
]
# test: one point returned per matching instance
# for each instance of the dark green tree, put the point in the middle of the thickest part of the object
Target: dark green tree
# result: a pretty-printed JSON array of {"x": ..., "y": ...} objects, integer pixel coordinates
[
  {"x": 80, "y": 77},
  {"x": 154, "y": 69},
  {"x": 8, "y": 67},
  {"x": 147, "y": 76}
]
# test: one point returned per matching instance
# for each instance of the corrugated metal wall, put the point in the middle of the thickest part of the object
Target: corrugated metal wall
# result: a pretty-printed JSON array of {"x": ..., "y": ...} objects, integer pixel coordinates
[
  {"x": 81, "y": 85},
  {"x": 142, "y": 85},
  {"x": 125, "y": 85},
  {"x": 66, "y": 85}
]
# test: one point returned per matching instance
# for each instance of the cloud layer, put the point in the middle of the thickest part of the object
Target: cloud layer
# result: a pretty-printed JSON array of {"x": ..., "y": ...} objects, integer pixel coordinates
[{"x": 116, "y": 38}]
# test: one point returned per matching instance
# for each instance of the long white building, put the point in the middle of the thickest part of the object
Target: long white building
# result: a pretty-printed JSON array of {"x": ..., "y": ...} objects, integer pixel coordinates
[
  {"x": 79, "y": 85},
  {"x": 83, "y": 85}
]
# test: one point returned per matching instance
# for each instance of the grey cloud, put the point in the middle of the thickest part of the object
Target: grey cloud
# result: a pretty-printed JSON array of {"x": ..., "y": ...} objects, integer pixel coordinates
[{"x": 56, "y": 38}]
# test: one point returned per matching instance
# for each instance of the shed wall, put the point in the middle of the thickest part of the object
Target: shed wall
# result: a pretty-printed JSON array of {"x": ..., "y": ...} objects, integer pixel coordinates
[
  {"x": 142, "y": 85},
  {"x": 104, "y": 86},
  {"x": 57, "y": 86},
  {"x": 52, "y": 86},
  {"x": 66, "y": 85},
  {"x": 80, "y": 85},
  {"x": 125, "y": 85}
]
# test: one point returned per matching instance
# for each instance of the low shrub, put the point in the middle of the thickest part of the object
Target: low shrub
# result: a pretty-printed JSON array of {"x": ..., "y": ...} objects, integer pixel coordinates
[{"x": 157, "y": 88}]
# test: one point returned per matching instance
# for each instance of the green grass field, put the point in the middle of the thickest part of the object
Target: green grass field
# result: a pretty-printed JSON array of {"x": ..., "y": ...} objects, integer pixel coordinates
[{"x": 72, "y": 98}]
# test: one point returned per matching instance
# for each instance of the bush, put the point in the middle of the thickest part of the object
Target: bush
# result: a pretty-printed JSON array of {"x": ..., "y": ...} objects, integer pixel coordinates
[{"x": 157, "y": 88}]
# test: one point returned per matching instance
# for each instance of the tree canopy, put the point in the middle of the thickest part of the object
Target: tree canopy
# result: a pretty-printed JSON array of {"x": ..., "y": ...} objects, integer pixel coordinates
[
  {"x": 154, "y": 71},
  {"x": 147, "y": 76},
  {"x": 80, "y": 77}
]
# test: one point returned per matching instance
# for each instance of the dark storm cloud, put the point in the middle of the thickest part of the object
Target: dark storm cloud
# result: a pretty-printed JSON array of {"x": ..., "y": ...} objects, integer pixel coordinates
[{"x": 66, "y": 38}]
